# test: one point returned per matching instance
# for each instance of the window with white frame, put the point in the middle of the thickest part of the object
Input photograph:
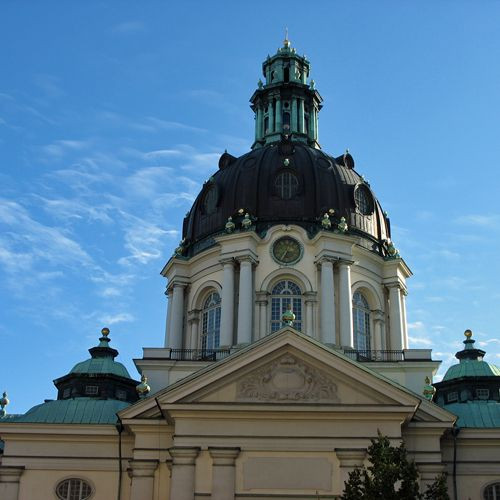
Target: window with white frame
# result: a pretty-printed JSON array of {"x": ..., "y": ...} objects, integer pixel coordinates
[
  {"x": 73, "y": 489},
  {"x": 492, "y": 492},
  {"x": 210, "y": 316},
  {"x": 483, "y": 393},
  {"x": 286, "y": 294},
  {"x": 361, "y": 322}
]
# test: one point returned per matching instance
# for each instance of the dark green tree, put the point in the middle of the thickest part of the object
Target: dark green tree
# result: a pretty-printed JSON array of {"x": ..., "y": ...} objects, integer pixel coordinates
[{"x": 390, "y": 476}]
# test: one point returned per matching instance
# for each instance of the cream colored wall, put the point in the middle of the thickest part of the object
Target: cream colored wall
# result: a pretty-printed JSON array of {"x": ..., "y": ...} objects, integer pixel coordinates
[
  {"x": 368, "y": 272},
  {"x": 52, "y": 453}
]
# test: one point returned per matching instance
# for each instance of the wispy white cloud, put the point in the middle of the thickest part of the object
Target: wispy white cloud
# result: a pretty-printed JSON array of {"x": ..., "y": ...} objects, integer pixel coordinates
[
  {"x": 111, "y": 319},
  {"x": 128, "y": 27},
  {"x": 416, "y": 325},
  {"x": 480, "y": 220},
  {"x": 420, "y": 341},
  {"x": 59, "y": 148}
]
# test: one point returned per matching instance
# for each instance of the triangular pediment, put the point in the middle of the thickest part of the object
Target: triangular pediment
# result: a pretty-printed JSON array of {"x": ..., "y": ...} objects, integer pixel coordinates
[{"x": 286, "y": 368}]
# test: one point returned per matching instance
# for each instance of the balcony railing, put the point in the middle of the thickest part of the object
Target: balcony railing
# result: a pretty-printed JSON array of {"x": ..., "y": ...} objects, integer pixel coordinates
[
  {"x": 198, "y": 354},
  {"x": 362, "y": 356},
  {"x": 367, "y": 356}
]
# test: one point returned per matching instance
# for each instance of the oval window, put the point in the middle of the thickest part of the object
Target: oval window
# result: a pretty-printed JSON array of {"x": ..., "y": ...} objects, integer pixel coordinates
[
  {"x": 363, "y": 200},
  {"x": 210, "y": 201},
  {"x": 73, "y": 489}
]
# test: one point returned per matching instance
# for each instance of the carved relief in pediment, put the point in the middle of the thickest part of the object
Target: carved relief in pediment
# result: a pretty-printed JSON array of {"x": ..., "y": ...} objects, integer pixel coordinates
[{"x": 289, "y": 380}]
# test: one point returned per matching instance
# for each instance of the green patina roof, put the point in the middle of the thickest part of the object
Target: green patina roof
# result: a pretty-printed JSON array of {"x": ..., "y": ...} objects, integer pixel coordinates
[
  {"x": 101, "y": 366},
  {"x": 484, "y": 414},
  {"x": 71, "y": 411},
  {"x": 472, "y": 368}
]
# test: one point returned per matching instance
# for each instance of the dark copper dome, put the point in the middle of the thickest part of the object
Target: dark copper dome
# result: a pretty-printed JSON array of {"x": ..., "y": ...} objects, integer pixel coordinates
[{"x": 285, "y": 182}]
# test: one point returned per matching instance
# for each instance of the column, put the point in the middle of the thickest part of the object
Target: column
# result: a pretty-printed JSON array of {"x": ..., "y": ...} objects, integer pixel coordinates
[
  {"x": 350, "y": 459},
  {"x": 262, "y": 303},
  {"x": 270, "y": 114},
  {"x": 378, "y": 323},
  {"x": 260, "y": 123},
  {"x": 404, "y": 293},
  {"x": 9, "y": 482},
  {"x": 168, "y": 293},
  {"x": 310, "y": 301},
  {"x": 301, "y": 116},
  {"x": 327, "y": 303},
  {"x": 142, "y": 474},
  {"x": 311, "y": 123},
  {"x": 316, "y": 135},
  {"x": 193, "y": 324},
  {"x": 278, "y": 116},
  {"x": 395, "y": 318},
  {"x": 293, "y": 121},
  {"x": 183, "y": 472},
  {"x": 227, "y": 306},
  {"x": 177, "y": 312},
  {"x": 223, "y": 477},
  {"x": 345, "y": 305},
  {"x": 244, "y": 331}
]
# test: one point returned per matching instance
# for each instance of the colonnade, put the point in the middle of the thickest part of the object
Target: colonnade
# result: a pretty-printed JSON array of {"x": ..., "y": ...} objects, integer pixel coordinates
[
  {"x": 274, "y": 114},
  {"x": 332, "y": 300}
]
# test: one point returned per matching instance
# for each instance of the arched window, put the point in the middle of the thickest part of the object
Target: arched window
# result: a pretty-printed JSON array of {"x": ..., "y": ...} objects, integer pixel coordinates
[
  {"x": 492, "y": 492},
  {"x": 73, "y": 489},
  {"x": 361, "y": 322},
  {"x": 286, "y": 185},
  {"x": 284, "y": 294},
  {"x": 210, "y": 315}
]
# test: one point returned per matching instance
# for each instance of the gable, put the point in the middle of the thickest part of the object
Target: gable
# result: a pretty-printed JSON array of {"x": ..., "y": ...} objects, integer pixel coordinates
[{"x": 288, "y": 375}]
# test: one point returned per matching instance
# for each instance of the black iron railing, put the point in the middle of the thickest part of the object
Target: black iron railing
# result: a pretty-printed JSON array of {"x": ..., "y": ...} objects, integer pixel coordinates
[
  {"x": 367, "y": 356},
  {"x": 198, "y": 354}
]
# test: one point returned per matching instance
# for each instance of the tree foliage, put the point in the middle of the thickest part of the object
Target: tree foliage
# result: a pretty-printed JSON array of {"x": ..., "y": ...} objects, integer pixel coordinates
[{"x": 390, "y": 476}]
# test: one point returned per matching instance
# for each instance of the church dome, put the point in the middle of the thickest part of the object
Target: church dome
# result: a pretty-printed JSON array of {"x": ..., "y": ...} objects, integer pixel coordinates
[
  {"x": 285, "y": 182},
  {"x": 286, "y": 178}
]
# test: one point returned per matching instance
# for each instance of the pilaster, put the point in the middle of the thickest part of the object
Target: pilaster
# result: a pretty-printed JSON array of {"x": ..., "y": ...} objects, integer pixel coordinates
[
  {"x": 142, "y": 473},
  {"x": 245, "y": 304},
  {"x": 350, "y": 459},
  {"x": 223, "y": 472},
  {"x": 10, "y": 478},
  {"x": 182, "y": 484}
]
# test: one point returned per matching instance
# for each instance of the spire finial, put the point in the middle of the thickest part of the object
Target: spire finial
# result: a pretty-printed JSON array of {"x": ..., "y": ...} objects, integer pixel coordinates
[
  {"x": 286, "y": 42},
  {"x": 468, "y": 334}
]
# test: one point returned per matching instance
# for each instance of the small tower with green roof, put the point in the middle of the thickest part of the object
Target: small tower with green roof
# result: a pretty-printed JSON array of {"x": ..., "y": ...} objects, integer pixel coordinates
[
  {"x": 286, "y": 103},
  {"x": 471, "y": 388}
]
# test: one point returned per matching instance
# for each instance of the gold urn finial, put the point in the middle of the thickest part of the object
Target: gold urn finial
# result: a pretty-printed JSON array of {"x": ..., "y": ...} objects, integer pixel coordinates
[
  {"x": 288, "y": 317},
  {"x": 468, "y": 334},
  {"x": 143, "y": 388},
  {"x": 4, "y": 401},
  {"x": 105, "y": 331}
]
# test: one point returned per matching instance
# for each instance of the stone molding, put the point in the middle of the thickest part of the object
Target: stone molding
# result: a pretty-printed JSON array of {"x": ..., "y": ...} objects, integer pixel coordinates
[
  {"x": 247, "y": 258},
  {"x": 287, "y": 379},
  {"x": 223, "y": 456},
  {"x": 310, "y": 297},
  {"x": 184, "y": 455},
  {"x": 351, "y": 457},
  {"x": 142, "y": 468},
  {"x": 262, "y": 297},
  {"x": 193, "y": 316},
  {"x": 10, "y": 474}
]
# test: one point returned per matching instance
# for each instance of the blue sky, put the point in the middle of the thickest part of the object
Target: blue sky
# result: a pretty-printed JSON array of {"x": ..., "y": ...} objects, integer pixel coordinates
[{"x": 112, "y": 114}]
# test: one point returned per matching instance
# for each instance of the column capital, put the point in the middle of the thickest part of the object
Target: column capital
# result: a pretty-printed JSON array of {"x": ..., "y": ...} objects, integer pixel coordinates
[
  {"x": 184, "y": 455},
  {"x": 142, "y": 468},
  {"x": 225, "y": 261},
  {"x": 344, "y": 262},
  {"x": 176, "y": 284},
  {"x": 350, "y": 457},
  {"x": 310, "y": 297},
  {"x": 378, "y": 315},
  {"x": 262, "y": 297},
  {"x": 223, "y": 456},
  {"x": 326, "y": 259},
  {"x": 10, "y": 474},
  {"x": 193, "y": 316},
  {"x": 243, "y": 259}
]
